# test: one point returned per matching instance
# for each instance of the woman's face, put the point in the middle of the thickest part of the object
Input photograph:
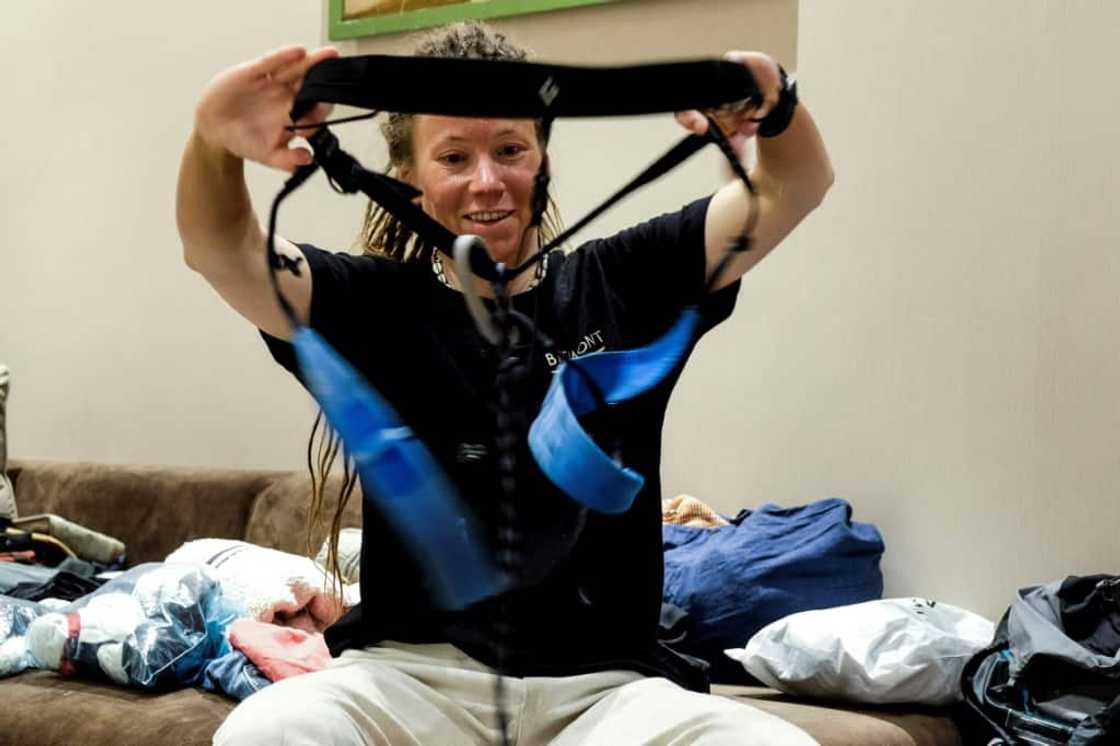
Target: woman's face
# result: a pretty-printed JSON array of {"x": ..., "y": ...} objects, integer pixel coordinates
[{"x": 477, "y": 177}]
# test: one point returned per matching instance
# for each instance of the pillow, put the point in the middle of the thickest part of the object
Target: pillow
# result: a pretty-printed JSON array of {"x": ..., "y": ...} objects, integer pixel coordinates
[
  {"x": 7, "y": 492},
  {"x": 899, "y": 650}
]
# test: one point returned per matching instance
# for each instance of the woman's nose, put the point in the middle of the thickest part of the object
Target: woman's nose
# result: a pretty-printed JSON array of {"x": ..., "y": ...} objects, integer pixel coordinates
[{"x": 487, "y": 177}]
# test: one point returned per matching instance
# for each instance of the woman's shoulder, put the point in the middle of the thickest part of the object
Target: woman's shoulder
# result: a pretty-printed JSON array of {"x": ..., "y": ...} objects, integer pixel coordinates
[
  {"x": 366, "y": 261},
  {"x": 678, "y": 229},
  {"x": 349, "y": 268}
]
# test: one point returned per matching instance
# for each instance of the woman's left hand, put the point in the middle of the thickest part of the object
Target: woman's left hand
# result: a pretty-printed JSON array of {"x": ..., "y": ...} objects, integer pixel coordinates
[{"x": 737, "y": 124}]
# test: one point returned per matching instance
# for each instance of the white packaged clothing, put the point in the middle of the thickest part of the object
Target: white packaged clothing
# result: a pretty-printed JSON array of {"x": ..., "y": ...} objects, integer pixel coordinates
[{"x": 900, "y": 650}]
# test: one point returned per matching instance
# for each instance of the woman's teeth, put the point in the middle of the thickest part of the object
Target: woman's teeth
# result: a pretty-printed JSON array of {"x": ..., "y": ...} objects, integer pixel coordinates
[{"x": 491, "y": 216}]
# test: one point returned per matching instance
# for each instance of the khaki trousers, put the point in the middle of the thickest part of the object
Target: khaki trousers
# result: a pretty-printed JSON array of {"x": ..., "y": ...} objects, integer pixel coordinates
[{"x": 435, "y": 695}]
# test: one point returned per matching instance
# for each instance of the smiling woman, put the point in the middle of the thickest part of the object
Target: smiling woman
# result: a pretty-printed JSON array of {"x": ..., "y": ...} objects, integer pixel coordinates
[
  {"x": 476, "y": 175},
  {"x": 579, "y": 594}
]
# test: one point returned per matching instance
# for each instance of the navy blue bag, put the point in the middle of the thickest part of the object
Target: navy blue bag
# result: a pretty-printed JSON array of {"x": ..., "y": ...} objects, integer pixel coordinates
[{"x": 772, "y": 562}]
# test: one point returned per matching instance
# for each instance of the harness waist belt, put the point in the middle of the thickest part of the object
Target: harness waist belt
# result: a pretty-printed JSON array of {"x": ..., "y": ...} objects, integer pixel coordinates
[{"x": 525, "y": 90}]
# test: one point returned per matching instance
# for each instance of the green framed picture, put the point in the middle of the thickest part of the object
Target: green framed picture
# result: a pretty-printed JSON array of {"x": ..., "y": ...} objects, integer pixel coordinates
[{"x": 349, "y": 19}]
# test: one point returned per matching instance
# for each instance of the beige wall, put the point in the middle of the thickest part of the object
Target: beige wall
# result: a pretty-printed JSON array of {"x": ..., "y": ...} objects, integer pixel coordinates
[{"x": 937, "y": 343}]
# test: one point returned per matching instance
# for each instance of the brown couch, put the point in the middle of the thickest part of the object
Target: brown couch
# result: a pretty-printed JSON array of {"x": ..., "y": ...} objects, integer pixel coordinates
[{"x": 155, "y": 509}]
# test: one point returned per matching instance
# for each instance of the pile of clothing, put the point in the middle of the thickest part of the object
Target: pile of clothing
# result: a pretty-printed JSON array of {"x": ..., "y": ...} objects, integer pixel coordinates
[
  {"x": 224, "y": 615},
  {"x": 792, "y": 598}
]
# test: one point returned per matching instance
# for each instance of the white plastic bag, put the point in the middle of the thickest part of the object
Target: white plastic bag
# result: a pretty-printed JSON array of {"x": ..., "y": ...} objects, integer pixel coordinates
[{"x": 890, "y": 651}]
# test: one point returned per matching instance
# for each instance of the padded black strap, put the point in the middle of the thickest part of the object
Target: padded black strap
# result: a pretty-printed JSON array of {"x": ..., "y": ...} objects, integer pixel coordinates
[
  {"x": 521, "y": 90},
  {"x": 678, "y": 154}
]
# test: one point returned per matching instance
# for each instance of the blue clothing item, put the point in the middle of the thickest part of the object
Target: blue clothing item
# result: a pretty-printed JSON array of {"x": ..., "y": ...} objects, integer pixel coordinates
[
  {"x": 734, "y": 580},
  {"x": 14, "y": 573},
  {"x": 234, "y": 675}
]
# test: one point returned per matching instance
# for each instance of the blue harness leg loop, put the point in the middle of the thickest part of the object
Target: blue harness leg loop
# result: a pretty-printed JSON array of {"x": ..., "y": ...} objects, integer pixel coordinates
[
  {"x": 401, "y": 477},
  {"x": 562, "y": 448}
]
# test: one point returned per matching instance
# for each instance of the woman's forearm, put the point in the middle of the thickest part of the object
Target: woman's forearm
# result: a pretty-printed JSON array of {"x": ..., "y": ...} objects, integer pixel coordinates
[
  {"x": 212, "y": 206},
  {"x": 795, "y": 165}
]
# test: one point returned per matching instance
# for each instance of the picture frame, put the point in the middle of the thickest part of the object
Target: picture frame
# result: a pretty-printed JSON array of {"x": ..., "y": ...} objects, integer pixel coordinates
[{"x": 351, "y": 19}]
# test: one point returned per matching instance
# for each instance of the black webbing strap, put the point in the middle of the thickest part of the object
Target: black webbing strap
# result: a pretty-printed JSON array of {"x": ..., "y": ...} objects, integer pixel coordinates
[
  {"x": 677, "y": 155},
  {"x": 521, "y": 90},
  {"x": 394, "y": 195}
]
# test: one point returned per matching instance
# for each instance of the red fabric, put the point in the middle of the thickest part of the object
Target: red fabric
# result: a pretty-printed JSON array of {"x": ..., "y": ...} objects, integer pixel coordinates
[
  {"x": 73, "y": 629},
  {"x": 279, "y": 652}
]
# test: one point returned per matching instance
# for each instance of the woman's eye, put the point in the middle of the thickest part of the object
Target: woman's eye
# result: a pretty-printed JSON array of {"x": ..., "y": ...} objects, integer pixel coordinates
[
  {"x": 510, "y": 151},
  {"x": 452, "y": 159}
]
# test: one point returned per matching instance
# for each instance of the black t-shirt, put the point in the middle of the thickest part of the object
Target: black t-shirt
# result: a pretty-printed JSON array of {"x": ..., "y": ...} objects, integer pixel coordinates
[{"x": 594, "y": 589}]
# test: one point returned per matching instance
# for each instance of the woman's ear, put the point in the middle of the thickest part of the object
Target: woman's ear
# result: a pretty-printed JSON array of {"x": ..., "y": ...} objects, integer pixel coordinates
[{"x": 540, "y": 190}]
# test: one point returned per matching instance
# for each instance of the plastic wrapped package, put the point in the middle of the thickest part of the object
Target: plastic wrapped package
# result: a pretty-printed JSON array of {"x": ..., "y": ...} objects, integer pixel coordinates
[
  {"x": 897, "y": 650},
  {"x": 155, "y": 626},
  {"x": 16, "y": 615}
]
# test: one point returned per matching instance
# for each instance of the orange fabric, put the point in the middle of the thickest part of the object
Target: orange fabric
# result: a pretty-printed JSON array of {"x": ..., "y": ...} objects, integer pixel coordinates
[{"x": 686, "y": 510}]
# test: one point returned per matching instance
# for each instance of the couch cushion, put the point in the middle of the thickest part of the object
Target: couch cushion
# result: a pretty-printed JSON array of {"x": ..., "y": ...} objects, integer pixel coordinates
[
  {"x": 279, "y": 515},
  {"x": 66, "y": 709},
  {"x": 152, "y": 509},
  {"x": 42, "y": 708},
  {"x": 842, "y": 724}
]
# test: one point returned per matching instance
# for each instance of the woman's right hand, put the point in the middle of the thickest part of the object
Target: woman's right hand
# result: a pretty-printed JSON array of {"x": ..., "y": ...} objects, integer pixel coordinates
[{"x": 244, "y": 110}]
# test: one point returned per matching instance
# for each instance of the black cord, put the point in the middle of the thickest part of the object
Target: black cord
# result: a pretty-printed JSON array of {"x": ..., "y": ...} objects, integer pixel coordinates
[
  {"x": 343, "y": 120},
  {"x": 509, "y": 535},
  {"x": 277, "y": 261}
]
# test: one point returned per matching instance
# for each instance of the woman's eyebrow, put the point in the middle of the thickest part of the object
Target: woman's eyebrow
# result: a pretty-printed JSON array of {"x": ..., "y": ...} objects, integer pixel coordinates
[{"x": 460, "y": 138}]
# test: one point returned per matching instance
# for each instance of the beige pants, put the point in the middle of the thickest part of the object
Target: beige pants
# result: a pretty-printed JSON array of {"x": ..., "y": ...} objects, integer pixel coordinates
[{"x": 435, "y": 695}]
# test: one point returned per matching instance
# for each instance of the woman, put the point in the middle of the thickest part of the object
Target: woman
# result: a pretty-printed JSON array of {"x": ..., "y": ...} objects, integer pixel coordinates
[{"x": 578, "y": 637}]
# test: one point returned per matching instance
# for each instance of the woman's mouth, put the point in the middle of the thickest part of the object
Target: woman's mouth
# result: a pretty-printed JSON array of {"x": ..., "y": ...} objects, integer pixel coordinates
[{"x": 488, "y": 217}]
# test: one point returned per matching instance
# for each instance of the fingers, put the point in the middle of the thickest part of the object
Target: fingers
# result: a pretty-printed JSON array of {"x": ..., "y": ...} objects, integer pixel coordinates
[
  {"x": 765, "y": 72},
  {"x": 273, "y": 61},
  {"x": 318, "y": 114},
  {"x": 693, "y": 121},
  {"x": 289, "y": 159},
  {"x": 738, "y": 142},
  {"x": 292, "y": 73}
]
